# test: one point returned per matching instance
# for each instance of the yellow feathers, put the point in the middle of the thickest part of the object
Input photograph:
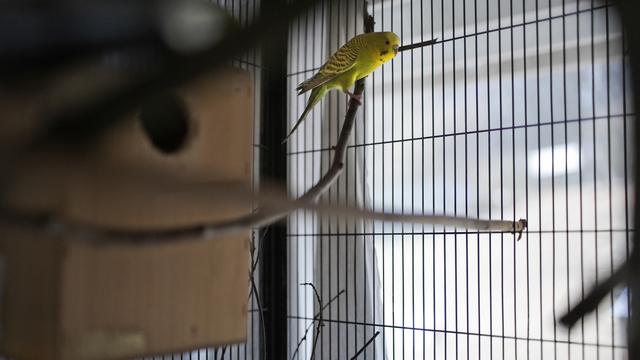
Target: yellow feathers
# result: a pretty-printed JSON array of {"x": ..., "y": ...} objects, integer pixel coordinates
[{"x": 355, "y": 60}]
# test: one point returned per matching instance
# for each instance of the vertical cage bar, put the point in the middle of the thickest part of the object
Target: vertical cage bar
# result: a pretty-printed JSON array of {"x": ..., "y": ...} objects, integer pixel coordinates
[{"x": 273, "y": 167}]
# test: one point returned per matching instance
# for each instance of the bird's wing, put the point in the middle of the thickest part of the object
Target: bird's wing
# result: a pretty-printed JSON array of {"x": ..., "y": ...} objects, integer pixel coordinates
[{"x": 343, "y": 60}]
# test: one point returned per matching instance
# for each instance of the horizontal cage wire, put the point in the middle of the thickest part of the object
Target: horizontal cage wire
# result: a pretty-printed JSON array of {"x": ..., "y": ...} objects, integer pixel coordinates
[{"x": 521, "y": 109}]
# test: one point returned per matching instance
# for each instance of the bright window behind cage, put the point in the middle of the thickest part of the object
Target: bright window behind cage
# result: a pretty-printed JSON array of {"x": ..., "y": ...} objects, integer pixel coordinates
[{"x": 522, "y": 109}]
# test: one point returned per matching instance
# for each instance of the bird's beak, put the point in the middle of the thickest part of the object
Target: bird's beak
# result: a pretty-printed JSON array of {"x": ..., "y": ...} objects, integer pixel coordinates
[{"x": 395, "y": 49}]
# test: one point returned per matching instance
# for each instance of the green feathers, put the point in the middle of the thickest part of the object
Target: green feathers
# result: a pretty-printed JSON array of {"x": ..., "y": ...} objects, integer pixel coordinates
[{"x": 356, "y": 59}]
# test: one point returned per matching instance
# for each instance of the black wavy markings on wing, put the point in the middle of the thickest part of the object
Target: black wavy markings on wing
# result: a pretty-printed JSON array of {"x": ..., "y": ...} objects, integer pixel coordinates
[
  {"x": 344, "y": 57},
  {"x": 340, "y": 61}
]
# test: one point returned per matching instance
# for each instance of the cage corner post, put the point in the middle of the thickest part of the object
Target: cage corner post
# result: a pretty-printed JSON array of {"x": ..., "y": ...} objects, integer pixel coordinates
[
  {"x": 630, "y": 10},
  {"x": 273, "y": 167}
]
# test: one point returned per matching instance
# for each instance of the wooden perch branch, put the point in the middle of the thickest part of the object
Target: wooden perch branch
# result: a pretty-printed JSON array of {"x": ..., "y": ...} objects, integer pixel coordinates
[
  {"x": 340, "y": 154},
  {"x": 275, "y": 206}
]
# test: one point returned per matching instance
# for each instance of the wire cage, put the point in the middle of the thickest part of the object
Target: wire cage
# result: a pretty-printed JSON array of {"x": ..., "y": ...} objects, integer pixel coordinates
[
  {"x": 519, "y": 109},
  {"x": 522, "y": 109}
]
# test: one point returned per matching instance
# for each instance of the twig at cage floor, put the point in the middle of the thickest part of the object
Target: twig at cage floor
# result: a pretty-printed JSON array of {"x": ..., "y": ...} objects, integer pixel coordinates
[
  {"x": 254, "y": 265},
  {"x": 254, "y": 288},
  {"x": 320, "y": 322},
  {"x": 304, "y": 337},
  {"x": 315, "y": 291},
  {"x": 364, "y": 347},
  {"x": 316, "y": 317},
  {"x": 315, "y": 339}
]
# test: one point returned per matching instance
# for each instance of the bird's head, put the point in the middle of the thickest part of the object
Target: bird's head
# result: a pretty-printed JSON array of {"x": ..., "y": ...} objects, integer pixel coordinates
[{"x": 386, "y": 45}]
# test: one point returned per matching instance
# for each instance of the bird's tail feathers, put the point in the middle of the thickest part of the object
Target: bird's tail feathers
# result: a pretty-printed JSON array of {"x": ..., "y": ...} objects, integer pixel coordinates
[{"x": 316, "y": 95}]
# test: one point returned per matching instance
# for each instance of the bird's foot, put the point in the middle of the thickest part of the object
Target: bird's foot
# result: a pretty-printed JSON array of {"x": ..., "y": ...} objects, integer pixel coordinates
[{"x": 354, "y": 97}]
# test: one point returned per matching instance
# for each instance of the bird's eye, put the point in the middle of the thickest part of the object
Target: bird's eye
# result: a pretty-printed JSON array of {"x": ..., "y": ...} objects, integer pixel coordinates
[{"x": 387, "y": 42}]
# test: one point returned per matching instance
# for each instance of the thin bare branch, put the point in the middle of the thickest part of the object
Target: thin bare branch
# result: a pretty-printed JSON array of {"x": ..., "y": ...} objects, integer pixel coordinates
[
  {"x": 365, "y": 345},
  {"x": 255, "y": 259},
  {"x": 253, "y": 247},
  {"x": 315, "y": 291},
  {"x": 295, "y": 353},
  {"x": 316, "y": 317},
  {"x": 260, "y": 315},
  {"x": 320, "y": 323},
  {"x": 315, "y": 339}
]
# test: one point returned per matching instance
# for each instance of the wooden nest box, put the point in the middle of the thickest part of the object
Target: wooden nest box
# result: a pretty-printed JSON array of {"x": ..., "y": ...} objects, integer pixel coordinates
[{"x": 62, "y": 297}]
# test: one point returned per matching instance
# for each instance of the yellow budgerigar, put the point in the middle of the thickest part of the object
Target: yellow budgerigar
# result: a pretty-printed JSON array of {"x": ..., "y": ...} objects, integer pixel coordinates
[{"x": 355, "y": 60}]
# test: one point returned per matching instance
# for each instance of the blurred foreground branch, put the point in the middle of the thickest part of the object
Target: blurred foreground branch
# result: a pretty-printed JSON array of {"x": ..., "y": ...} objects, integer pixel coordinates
[{"x": 274, "y": 204}]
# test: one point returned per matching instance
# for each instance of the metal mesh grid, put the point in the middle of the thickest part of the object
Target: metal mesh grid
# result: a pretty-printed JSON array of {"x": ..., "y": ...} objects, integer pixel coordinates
[{"x": 522, "y": 109}]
